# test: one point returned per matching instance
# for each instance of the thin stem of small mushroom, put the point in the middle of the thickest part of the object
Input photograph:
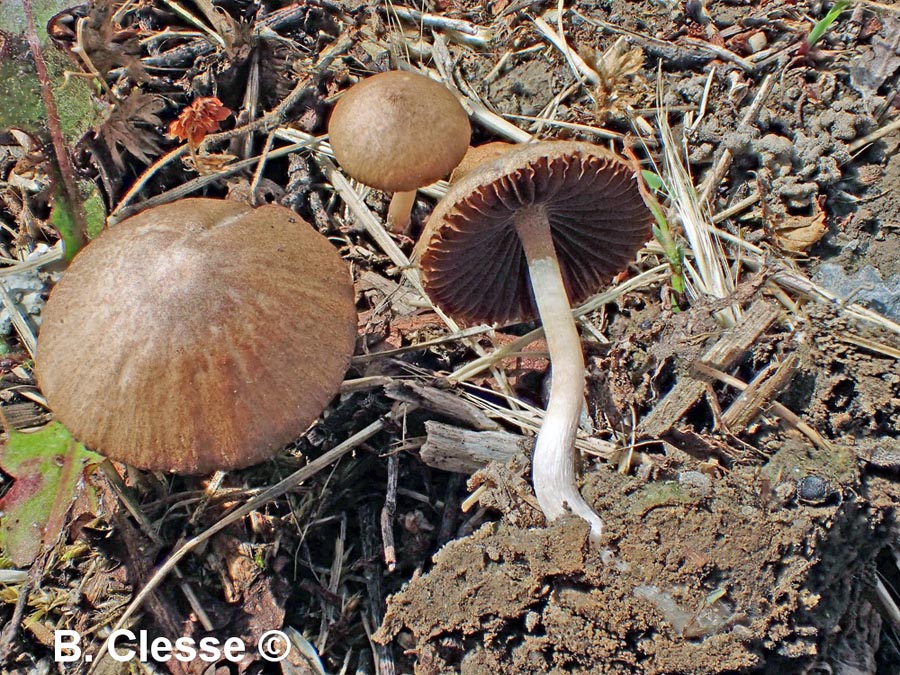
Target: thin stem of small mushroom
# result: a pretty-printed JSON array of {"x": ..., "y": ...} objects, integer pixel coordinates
[
  {"x": 553, "y": 464},
  {"x": 400, "y": 211}
]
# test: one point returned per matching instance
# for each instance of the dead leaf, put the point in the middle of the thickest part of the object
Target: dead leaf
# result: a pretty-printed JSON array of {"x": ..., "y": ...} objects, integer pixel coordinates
[
  {"x": 200, "y": 118},
  {"x": 127, "y": 127},
  {"x": 798, "y": 234},
  {"x": 616, "y": 66},
  {"x": 258, "y": 597},
  {"x": 873, "y": 65},
  {"x": 208, "y": 164}
]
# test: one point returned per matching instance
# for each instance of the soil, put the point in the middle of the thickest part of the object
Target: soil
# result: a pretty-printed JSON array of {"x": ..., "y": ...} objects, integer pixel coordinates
[
  {"x": 759, "y": 563},
  {"x": 739, "y": 538}
]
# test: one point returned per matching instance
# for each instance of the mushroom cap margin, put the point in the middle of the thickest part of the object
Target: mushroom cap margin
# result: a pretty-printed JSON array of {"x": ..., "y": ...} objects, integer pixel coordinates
[{"x": 473, "y": 265}]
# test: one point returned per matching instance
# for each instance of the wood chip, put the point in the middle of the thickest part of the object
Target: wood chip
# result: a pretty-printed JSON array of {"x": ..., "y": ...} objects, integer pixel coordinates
[
  {"x": 759, "y": 394},
  {"x": 730, "y": 347},
  {"x": 451, "y": 448},
  {"x": 442, "y": 402}
]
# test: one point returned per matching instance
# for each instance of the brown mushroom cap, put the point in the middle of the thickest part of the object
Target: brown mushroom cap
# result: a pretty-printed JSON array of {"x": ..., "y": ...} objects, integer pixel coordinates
[
  {"x": 472, "y": 262},
  {"x": 479, "y": 154},
  {"x": 398, "y": 131},
  {"x": 196, "y": 336}
]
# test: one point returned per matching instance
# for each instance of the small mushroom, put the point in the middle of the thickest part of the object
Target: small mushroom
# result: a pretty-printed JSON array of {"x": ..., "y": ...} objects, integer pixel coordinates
[
  {"x": 397, "y": 132},
  {"x": 196, "y": 336},
  {"x": 527, "y": 234}
]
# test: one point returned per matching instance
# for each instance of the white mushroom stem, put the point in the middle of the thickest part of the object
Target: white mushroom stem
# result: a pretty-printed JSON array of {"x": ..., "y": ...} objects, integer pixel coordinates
[
  {"x": 400, "y": 210},
  {"x": 553, "y": 464}
]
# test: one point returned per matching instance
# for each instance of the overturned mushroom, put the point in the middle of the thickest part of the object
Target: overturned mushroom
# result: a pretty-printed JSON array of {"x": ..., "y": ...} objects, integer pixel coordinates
[
  {"x": 196, "y": 336},
  {"x": 525, "y": 235},
  {"x": 397, "y": 132}
]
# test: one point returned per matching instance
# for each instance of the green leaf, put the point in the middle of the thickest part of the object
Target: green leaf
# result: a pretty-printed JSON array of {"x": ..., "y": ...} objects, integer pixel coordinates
[
  {"x": 653, "y": 180},
  {"x": 825, "y": 23},
  {"x": 47, "y": 467}
]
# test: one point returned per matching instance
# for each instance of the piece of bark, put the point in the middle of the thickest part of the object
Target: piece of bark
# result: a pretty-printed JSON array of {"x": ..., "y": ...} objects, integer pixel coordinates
[
  {"x": 727, "y": 350},
  {"x": 403, "y": 300},
  {"x": 759, "y": 394},
  {"x": 25, "y": 415},
  {"x": 463, "y": 451},
  {"x": 441, "y": 402}
]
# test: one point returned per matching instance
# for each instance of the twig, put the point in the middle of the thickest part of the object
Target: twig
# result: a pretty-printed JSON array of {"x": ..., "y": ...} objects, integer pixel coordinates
[
  {"x": 667, "y": 51},
  {"x": 149, "y": 172},
  {"x": 126, "y": 498},
  {"x": 53, "y": 254},
  {"x": 889, "y": 128},
  {"x": 26, "y": 333},
  {"x": 472, "y": 368},
  {"x": 54, "y": 126},
  {"x": 187, "y": 188},
  {"x": 13, "y": 577},
  {"x": 470, "y": 101},
  {"x": 886, "y": 603},
  {"x": 388, "y": 511},
  {"x": 197, "y": 23},
  {"x": 721, "y": 52},
  {"x": 419, "y": 346},
  {"x": 263, "y": 158},
  {"x": 450, "y": 516},
  {"x": 737, "y": 208},
  {"x": 701, "y": 112},
  {"x": 273, "y": 118},
  {"x": 870, "y": 345},
  {"x": 800, "y": 284},
  {"x": 11, "y": 629},
  {"x": 779, "y": 409},
  {"x": 369, "y": 221},
  {"x": 437, "y": 21},
  {"x": 382, "y": 655},
  {"x": 578, "y": 65},
  {"x": 597, "y": 131}
]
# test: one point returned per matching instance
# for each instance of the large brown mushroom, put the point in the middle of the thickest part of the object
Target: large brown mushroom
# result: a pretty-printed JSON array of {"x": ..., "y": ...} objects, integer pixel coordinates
[
  {"x": 398, "y": 131},
  {"x": 526, "y": 235},
  {"x": 199, "y": 335}
]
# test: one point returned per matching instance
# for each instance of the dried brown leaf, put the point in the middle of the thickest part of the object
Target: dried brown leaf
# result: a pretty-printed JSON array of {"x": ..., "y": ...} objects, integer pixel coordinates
[
  {"x": 127, "y": 127},
  {"x": 109, "y": 45},
  {"x": 798, "y": 234}
]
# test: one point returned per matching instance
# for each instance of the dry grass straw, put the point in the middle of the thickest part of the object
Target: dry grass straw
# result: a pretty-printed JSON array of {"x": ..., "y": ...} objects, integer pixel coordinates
[{"x": 710, "y": 273}]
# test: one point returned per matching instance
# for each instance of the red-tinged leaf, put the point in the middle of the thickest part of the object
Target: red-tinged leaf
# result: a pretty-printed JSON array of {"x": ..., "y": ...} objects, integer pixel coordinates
[{"x": 47, "y": 467}]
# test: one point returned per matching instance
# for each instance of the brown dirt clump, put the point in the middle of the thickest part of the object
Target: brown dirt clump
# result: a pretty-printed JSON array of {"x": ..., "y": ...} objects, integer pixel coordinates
[{"x": 700, "y": 575}]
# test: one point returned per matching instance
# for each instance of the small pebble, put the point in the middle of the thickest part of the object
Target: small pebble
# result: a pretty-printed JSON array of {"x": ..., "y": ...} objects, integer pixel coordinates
[
  {"x": 695, "y": 482},
  {"x": 812, "y": 490},
  {"x": 757, "y": 42}
]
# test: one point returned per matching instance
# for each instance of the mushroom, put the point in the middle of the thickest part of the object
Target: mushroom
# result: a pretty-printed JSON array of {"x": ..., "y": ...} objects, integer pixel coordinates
[
  {"x": 526, "y": 234},
  {"x": 198, "y": 335},
  {"x": 479, "y": 154},
  {"x": 397, "y": 132}
]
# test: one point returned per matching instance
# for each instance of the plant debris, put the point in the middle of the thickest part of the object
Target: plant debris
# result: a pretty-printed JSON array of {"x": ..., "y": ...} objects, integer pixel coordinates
[{"x": 742, "y": 411}]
